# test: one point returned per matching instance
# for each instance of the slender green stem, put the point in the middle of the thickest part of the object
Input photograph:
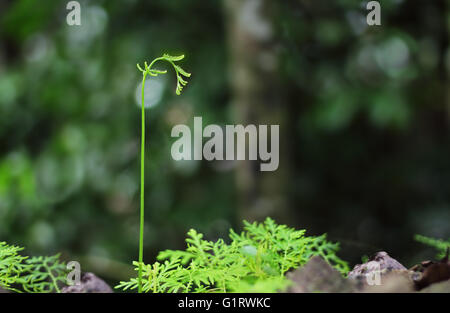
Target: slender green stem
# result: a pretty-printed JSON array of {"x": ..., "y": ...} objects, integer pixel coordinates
[{"x": 141, "y": 228}]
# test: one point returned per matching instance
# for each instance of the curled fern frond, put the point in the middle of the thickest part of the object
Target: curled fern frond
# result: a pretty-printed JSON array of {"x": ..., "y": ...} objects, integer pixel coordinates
[{"x": 180, "y": 72}]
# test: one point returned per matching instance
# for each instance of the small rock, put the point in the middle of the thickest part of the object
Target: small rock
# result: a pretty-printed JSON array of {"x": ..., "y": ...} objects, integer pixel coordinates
[
  {"x": 381, "y": 261},
  {"x": 318, "y": 276},
  {"x": 89, "y": 284}
]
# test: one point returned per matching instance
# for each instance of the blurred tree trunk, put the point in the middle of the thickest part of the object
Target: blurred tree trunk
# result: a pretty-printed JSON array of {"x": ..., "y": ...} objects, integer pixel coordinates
[
  {"x": 445, "y": 51},
  {"x": 257, "y": 99}
]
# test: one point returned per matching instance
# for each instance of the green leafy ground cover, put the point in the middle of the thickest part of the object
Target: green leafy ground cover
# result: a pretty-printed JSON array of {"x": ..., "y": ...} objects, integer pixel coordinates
[{"x": 255, "y": 260}]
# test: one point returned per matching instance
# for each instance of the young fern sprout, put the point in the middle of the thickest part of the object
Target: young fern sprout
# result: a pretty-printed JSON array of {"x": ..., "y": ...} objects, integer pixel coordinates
[{"x": 148, "y": 70}]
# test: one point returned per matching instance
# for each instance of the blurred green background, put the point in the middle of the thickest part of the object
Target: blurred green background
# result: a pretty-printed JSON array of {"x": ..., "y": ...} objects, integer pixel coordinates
[{"x": 364, "y": 115}]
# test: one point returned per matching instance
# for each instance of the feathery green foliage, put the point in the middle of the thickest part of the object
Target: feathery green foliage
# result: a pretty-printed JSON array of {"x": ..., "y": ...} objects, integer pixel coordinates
[
  {"x": 254, "y": 261},
  {"x": 43, "y": 273},
  {"x": 440, "y": 245},
  {"x": 11, "y": 265},
  {"x": 22, "y": 274}
]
